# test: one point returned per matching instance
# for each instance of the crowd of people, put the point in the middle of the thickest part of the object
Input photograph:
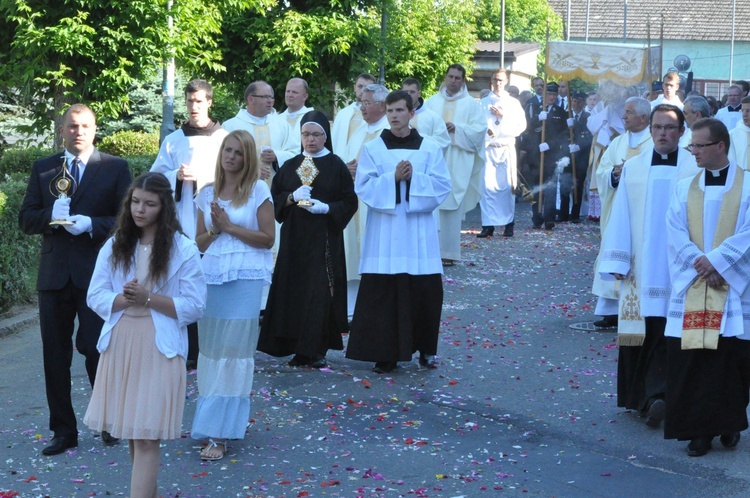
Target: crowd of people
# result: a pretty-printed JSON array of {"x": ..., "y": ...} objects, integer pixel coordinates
[{"x": 358, "y": 219}]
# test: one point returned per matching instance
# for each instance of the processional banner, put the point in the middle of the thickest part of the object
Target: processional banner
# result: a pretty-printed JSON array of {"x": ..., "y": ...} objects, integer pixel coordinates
[{"x": 626, "y": 64}]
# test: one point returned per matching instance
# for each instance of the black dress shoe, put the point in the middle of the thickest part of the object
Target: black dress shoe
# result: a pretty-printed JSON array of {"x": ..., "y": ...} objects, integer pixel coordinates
[
  {"x": 299, "y": 360},
  {"x": 427, "y": 360},
  {"x": 486, "y": 232},
  {"x": 549, "y": 225},
  {"x": 108, "y": 439},
  {"x": 59, "y": 444},
  {"x": 606, "y": 322},
  {"x": 508, "y": 231},
  {"x": 699, "y": 446},
  {"x": 575, "y": 220},
  {"x": 319, "y": 363},
  {"x": 382, "y": 367},
  {"x": 655, "y": 413},
  {"x": 730, "y": 440}
]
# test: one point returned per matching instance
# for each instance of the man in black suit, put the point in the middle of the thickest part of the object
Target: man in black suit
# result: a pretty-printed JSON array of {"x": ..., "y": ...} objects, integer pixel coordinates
[
  {"x": 555, "y": 139},
  {"x": 579, "y": 153},
  {"x": 68, "y": 257}
]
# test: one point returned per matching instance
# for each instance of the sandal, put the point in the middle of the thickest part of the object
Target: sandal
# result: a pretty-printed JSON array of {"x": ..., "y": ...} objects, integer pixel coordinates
[{"x": 212, "y": 452}]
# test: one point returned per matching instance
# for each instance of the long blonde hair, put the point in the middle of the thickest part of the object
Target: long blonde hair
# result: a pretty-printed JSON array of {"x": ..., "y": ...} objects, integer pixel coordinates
[{"x": 250, "y": 171}]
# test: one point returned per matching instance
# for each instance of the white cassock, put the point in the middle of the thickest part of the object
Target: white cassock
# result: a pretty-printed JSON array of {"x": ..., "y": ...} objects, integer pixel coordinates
[
  {"x": 293, "y": 120},
  {"x": 635, "y": 244},
  {"x": 602, "y": 126},
  {"x": 622, "y": 148},
  {"x": 345, "y": 123},
  {"x": 498, "y": 201},
  {"x": 661, "y": 100},
  {"x": 201, "y": 153},
  {"x": 355, "y": 231},
  {"x": 429, "y": 124},
  {"x": 401, "y": 237},
  {"x": 731, "y": 258},
  {"x": 739, "y": 148},
  {"x": 465, "y": 160},
  {"x": 730, "y": 119},
  {"x": 269, "y": 131}
]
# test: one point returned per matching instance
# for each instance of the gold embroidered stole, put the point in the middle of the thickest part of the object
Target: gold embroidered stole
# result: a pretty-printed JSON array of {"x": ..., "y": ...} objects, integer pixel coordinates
[
  {"x": 704, "y": 306},
  {"x": 449, "y": 110},
  {"x": 354, "y": 123}
]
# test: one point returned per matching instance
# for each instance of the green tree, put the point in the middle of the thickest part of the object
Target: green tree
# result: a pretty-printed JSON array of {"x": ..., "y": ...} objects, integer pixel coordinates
[{"x": 61, "y": 51}]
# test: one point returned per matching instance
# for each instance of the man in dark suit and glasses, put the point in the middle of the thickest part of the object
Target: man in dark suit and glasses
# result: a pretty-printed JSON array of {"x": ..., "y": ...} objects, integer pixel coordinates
[{"x": 68, "y": 255}]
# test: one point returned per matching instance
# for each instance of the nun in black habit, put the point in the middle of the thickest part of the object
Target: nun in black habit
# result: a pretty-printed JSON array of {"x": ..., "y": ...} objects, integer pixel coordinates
[{"x": 306, "y": 309}]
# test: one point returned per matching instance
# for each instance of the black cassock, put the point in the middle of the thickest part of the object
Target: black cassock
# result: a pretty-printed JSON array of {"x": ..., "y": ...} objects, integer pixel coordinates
[{"x": 306, "y": 312}]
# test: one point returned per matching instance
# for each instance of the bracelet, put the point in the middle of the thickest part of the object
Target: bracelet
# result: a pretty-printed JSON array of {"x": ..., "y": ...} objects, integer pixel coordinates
[
  {"x": 213, "y": 234},
  {"x": 148, "y": 301}
]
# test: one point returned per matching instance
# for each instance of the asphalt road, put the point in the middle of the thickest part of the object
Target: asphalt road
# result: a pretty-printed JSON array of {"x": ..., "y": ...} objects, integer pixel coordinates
[{"x": 521, "y": 404}]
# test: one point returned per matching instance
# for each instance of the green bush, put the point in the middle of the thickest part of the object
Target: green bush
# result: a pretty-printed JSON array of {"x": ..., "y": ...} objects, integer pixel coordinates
[
  {"x": 19, "y": 253},
  {"x": 130, "y": 143},
  {"x": 20, "y": 159},
  {"x": 140, "y": 164}
]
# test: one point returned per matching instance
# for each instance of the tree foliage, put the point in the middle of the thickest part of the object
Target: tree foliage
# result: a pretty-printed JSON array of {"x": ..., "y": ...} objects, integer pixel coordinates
[{"x": 60, "y": 51}]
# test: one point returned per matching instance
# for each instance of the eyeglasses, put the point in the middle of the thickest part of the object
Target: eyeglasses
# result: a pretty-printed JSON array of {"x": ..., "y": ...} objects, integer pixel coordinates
[
  {"x": 307, "y": 134},
  {"x": 665, "y": 127},
  {"x": 267, "y": 97},
  {"x": 692, "y": 147}
]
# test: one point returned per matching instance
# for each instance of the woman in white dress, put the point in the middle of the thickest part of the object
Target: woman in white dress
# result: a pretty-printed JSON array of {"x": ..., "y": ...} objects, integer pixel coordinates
[
  {"x": 235, "y": 231},
  {"x": 147, "y": 286}
]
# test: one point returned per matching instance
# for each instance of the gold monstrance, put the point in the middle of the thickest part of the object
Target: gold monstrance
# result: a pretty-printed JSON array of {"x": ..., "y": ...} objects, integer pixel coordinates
[
  {"x": 62, "y": 186},
  {"x": 307, "y": 173}
]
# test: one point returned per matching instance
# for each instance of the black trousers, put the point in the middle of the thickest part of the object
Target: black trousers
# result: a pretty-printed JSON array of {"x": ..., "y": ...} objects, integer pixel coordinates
[
  {"x": 567, "y": 188},
  {"x": 549, "y": 195},
  {"x": 57, "y": 312}
]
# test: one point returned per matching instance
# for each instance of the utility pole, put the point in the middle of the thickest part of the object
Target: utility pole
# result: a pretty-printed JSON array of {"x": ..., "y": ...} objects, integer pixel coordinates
[{"x": 167, "y": 120}]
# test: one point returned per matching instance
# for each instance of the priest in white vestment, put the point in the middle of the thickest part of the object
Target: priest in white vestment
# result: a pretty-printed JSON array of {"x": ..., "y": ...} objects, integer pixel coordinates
[
  {"x": 187, "y": 157},
  {"x": 694, "y": 108},
  {"x": 403, "y": 178},
  {"x": 273, "y": 136},
  {"x": 739, "y": 150},
  {"x": 731, "y": 114},
  {"x": 635, "y": 140},
  {"x": 349, "y": 118},
  {"x": 708, "y": 353},
  {"x": 635, "y": 252},
  {"x": 295, "y": 97},
  {"x": 505, "y": 121},
  {"x": 374, "y": 122},
  {"x": 466, "y": 123}
]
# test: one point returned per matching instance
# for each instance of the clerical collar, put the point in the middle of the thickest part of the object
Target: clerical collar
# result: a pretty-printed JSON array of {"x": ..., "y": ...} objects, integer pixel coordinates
[
  {"x": 636, "y": 137},
  {"x": 717, "y": 176},
  {"x": 734, "y": 109},
  {"x": 323, "y": 152},
  {"x": 301, "y": 110},
  {"x": 254, "y": 119},
  {"x": 658, "y": 159},
  {"x": 193, "y": 131}
]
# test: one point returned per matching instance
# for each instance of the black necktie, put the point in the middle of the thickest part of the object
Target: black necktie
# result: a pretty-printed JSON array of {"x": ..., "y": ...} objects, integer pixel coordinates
[{"x": 74, "y": 170}]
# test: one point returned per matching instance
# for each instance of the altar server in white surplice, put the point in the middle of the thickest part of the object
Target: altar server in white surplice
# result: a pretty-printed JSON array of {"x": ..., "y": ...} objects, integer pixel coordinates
[
  {"x": 465, "y": 120},
  {"x": 730, "y": 114},
  {"x": 708, "y": 353},
  {"x": 425, "y": 121},
  {"x": 402, "y": 177},
  {"x": 373, "y": 123},
  {"x": 632, "y": 142},
  {"x": 273, "y": 136},
  {"x": 739, "y": 150},
  {"x": 635, "y": 252},
  {"x": 505, "y": 121}
]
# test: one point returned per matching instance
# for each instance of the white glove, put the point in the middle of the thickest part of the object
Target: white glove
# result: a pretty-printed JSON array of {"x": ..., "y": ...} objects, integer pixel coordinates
[
  {"x": 573, "y": 148},
  {"x": 571, "y": 122},
  {"x": 543, "y": 116},
  {"x": 317, "y": 207},
  {"x": 81, "y": 224},
  {"x": 302, "y": 193},
  {"x": 61, "y": 209},
  {"x": 543, "y": 147}
]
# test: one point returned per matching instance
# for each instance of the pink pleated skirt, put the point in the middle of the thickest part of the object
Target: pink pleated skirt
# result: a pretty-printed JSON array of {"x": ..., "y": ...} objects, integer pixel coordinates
[{"x": 139, "y": 393}]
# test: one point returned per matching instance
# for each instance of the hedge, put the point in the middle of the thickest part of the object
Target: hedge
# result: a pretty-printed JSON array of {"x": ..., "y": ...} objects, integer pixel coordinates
[
  {"x": 20, "y": 160},
  {"x": 19, "y": 253},
  {"x": 129, "y": 143}
]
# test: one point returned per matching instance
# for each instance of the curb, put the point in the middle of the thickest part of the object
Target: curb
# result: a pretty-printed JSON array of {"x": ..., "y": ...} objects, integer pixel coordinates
[{"x": 17, "y": 319}]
